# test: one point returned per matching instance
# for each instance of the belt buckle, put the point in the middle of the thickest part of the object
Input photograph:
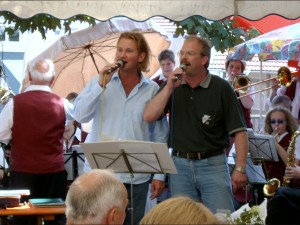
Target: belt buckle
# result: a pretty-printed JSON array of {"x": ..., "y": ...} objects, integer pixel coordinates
[
  {"x": 193, "y": 156},
  {"x": 199, "y": 155}
]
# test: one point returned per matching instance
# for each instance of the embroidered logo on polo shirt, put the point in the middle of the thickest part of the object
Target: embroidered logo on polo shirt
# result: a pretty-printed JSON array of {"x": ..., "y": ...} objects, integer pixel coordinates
[{"x": 206, "y": 119}]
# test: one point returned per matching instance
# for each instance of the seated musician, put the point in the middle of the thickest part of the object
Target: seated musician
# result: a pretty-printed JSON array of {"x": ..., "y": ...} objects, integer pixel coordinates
[
  {"x": 284, "y": 207},
  {"x": 279, "y": 122}
]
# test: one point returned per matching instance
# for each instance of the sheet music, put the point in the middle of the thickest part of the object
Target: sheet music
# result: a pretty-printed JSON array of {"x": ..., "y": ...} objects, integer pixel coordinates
[
  {"x": 143, "y": 157},
  {"x": 255, "y": 173},
  {"x": 263, "y": 146}
]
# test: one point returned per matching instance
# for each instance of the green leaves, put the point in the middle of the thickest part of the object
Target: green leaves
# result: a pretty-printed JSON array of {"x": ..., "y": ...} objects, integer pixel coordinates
[
  {"x": 222, "y": 34},
  {"x": 41, "y": 23},
  {"x": 248, "y": 216}
]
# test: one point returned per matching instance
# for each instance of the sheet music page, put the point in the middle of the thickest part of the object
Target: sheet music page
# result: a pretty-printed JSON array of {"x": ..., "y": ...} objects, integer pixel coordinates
[
  {"x": 143, "y": 157},
  {"x": 255, "y": 173},
  {"x": 263, "y": 146}
]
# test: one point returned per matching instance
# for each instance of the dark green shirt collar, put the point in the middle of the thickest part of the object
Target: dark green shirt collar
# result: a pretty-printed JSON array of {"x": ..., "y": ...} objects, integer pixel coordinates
[{"x": 205, "y": 83}]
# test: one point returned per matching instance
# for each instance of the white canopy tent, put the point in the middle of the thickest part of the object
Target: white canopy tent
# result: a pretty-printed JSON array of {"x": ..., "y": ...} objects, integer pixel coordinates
[{"x": 144, "y": 9}]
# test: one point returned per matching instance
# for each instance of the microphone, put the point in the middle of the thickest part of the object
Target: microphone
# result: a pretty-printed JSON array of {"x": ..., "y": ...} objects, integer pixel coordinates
[
  {"x": 119, "y": 64},
  {"x": 183, "y": 67}
]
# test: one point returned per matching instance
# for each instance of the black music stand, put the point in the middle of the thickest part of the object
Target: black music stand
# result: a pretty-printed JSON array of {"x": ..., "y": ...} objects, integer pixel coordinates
[
  {"x": 262, "y": 146},
  {"x": 255, "y": 175},
  {"x": 129, "y": 157},
  {"x": 73, "y": 157}
]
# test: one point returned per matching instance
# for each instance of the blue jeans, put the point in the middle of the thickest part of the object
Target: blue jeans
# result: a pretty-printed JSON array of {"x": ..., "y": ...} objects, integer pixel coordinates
[{"x": 205, "y": 180}]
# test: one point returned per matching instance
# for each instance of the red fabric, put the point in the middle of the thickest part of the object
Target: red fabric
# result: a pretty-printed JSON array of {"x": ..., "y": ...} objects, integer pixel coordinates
[
  {"x": 266, "y": 24},
  {"x": 294, "y": 63},
  {"x": 38, "y": 127},
  {"x": 291, "y": 91},
  {"x": 83, "y": 136},
  {"x": 157, "y": 80},
  {"x": 247, "y": 114},
  {"x": 277, "y": 169}
]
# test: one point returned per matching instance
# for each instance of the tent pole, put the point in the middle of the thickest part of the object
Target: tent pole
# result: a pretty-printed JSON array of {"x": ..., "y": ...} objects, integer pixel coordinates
[{"x": 261, "y": 101}]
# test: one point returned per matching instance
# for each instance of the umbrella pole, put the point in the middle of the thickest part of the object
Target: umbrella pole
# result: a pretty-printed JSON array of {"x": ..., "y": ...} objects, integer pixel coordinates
[
  {"x": 92, "y": 56},
  {"x": 261, "y": 100},
  {"x": 102, "y": 102}
]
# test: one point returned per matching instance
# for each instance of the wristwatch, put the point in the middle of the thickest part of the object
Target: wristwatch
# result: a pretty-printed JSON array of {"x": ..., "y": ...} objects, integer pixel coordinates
[{"x": 240, "y": 169}]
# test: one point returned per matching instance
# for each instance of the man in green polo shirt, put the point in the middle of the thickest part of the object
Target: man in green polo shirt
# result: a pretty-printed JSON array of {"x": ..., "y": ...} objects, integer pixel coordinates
[{"x": 204, "y": 111}]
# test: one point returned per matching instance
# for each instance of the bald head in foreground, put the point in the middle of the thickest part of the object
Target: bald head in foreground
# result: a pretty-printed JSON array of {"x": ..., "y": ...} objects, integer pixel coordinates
[{"x": 96, "y": 197}]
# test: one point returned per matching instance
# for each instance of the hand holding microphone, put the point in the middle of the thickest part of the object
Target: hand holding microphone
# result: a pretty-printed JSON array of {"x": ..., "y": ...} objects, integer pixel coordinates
[
  {"x": 178, "y": 75},
  {"x": 106, "y": 74},
  {"x": 119, "y": 64}
]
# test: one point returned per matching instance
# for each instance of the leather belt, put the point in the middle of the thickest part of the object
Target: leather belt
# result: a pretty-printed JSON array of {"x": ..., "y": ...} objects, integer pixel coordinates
[{"x": 197, "y": 155}]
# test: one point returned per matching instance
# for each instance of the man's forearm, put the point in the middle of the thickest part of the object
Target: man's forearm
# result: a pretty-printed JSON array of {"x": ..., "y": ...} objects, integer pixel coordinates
[
  {"x": 155, "y": 108},
  {"x": 241, "y": 146}
]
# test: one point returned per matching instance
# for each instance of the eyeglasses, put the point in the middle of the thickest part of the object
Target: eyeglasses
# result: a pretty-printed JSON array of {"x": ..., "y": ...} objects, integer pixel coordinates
[
  {"x": 189, "y": 53},
  {"x": 277, "y": 121}
]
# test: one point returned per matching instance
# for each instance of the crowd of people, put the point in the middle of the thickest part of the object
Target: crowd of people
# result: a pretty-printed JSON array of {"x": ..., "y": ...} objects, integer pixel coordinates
[{"x": 200, "y": 117}]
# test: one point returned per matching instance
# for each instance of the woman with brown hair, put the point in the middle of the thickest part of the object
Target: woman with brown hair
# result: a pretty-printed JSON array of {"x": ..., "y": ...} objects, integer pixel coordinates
[{"x": 279, "y": 122}]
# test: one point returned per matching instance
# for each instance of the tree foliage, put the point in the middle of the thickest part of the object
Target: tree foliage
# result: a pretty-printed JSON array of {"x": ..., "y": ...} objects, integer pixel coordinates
[
  {"x": 222, "y": 34},
  {"x": 42, "y": 23}
]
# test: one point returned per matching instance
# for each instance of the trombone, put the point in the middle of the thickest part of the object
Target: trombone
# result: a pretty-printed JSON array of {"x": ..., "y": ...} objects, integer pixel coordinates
[
  {"x": 5, "y": 94},
  {"x": 242, "y": 83}
]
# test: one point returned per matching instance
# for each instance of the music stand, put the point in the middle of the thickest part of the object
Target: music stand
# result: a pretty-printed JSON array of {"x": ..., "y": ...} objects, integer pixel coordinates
[
  {"x": 262, "y": 146},
  {"x": 74, "y": 158},
  {"x": 129, "y": 157}
]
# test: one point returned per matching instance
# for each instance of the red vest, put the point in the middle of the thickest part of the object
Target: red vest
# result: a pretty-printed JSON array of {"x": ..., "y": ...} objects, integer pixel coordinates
[
  {"x": 277, "y": 169},
  {"x": 246, "y": 112},
  {"x": 291, "y": 91},
  {"x": 158, "y": 81},
  {"x": 37, "y": 133}
]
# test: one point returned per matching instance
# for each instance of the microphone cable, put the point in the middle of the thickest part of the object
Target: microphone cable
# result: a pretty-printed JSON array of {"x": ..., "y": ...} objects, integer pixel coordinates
[{"x": 171, "y": 117}]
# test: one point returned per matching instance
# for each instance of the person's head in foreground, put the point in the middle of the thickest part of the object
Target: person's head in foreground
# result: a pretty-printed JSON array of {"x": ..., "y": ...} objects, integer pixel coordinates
[
  {"x": 179, "y": 210},
  {"x": 42, "y": 72},
  {"x": 96, "y": 197}
]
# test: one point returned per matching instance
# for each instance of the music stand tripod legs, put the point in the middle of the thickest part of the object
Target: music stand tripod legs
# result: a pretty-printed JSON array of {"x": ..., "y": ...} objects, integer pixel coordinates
[{"x": 124, "y": 155}]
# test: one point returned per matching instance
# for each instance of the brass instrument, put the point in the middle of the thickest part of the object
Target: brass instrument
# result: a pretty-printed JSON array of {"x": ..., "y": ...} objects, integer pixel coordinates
[
  {"x": 291, "y": 157},
  {"x": 275, "y": 133},
  {"x": 5, "y": 94},
  {"x": 273, "y": 184},
  {"x": 270, "y": 188},
  {"x": 241, "y": 83},
  {"x": 284, "y": 78}
]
